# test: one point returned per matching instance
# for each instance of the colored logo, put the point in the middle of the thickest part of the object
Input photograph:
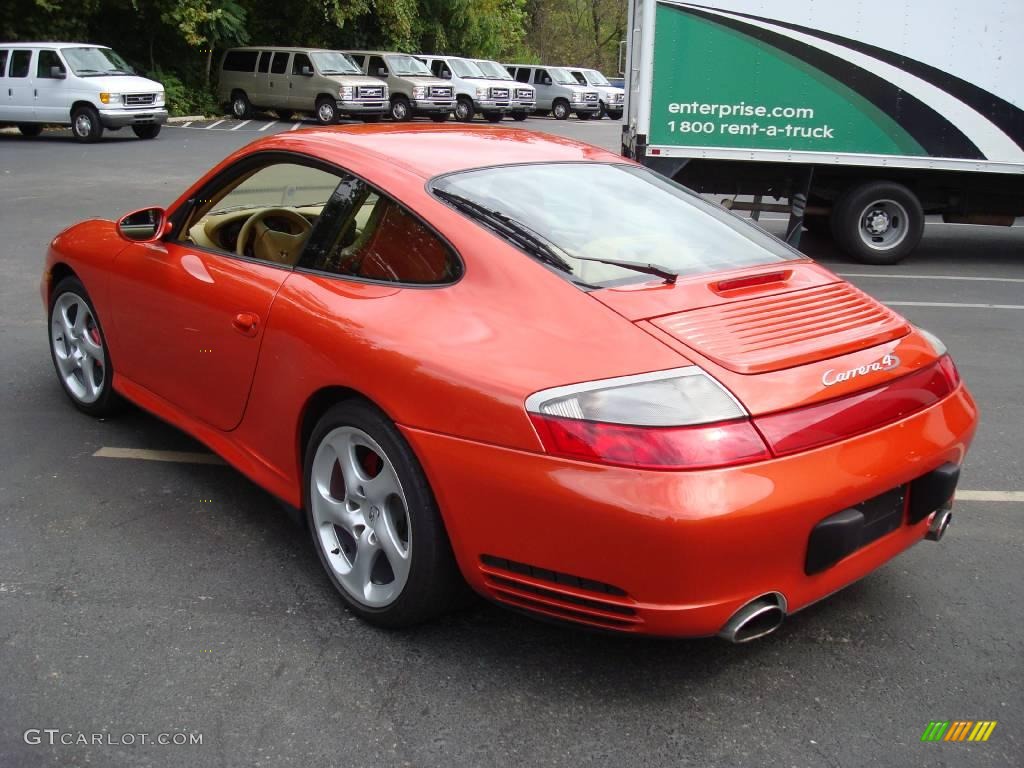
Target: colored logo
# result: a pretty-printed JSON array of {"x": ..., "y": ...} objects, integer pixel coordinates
[{"x": 959, "y": 730}]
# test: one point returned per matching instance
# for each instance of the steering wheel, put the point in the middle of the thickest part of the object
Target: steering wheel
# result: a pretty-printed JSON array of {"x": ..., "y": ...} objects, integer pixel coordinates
[{"x": 269, "y": 244}]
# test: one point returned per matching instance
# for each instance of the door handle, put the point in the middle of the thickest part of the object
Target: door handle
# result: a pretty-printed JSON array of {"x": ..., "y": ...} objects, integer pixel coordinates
[{"x": 246, "y": 322}]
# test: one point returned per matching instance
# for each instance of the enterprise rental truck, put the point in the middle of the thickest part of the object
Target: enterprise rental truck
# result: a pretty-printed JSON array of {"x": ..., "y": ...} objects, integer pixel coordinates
[{"x": 865, "y": 115}]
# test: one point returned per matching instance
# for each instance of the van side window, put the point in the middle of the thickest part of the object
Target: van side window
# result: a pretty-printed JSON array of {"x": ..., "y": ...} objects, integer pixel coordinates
[
  {"x": 539, "y": 75},
  {"x": 579, "y": 77},
  {"x": 523, "y": 75},
  {"x": 20, "y": 61},
  {"x": 376, "y": 63},
  {"x": 240, "y": 61},
  {"x": 358, "y": 58},
  {"x": 3, "y": 63},
  {"x": 48, "y": 59},
  {"x": 280, "y": 63},
  {"x": 299, "y": 61},
  {"x": 264, "y": 65}
]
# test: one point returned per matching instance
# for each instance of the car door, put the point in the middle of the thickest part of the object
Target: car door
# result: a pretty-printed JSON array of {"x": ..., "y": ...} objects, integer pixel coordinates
[
  {"x": 189, "y": 311},
  {"x": 18, "y": 87},
  {"x": 277, "y": 80},
  {"x": 52, "y": 99},
  {"x": 302, "y": 88},
  {"x": 541, "y": 81}
]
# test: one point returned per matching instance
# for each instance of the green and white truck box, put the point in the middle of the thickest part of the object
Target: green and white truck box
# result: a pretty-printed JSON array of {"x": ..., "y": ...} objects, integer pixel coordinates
[{"x": 866, "y": 114}]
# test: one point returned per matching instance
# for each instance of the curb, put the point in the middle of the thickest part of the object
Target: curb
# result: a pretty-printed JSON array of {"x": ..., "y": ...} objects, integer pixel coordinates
[{"x": 185, "y": 118}]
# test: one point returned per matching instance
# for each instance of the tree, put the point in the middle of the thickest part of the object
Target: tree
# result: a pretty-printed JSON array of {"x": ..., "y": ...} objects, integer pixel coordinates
[{"x": 207, "y": 24}]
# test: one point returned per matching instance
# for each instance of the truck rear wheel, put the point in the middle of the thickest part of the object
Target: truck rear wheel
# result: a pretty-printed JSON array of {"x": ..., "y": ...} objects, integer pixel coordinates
[{"x": 879, "y": 222}]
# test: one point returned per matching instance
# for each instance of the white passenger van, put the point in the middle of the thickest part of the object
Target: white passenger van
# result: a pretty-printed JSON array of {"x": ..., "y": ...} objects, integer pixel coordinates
[{"x": 88, "y": 87}]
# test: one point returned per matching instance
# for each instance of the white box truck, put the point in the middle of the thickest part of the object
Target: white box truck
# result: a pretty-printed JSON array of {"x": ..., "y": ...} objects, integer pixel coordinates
[{"x": 865, "y": 115}]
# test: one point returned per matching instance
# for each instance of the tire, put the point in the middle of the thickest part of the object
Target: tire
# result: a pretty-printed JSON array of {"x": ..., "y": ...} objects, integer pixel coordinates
[
  {"x": 615, "y": 115},
  {"x": 30, "y": 130},
  {"x": 86, "y": 125},
  {"x": 519, "y": 116},
  {"x": 77, "y": 344},
  {"x": 560, "y": 109},
  {"x": 326, "y": 111},
  {"x": 585, "y": 115},
  {"x": 879, "y": 222},
  {"x": 440, "y": 118},
  {"x": 400, "y": 111},
  {"x": 379, "y": 507},
  {"x": 465, "y": 111},
  {"x": 601, "y": 110},
  {"x": 241, "y": 107},
  {"x": 146, "y": 131}
]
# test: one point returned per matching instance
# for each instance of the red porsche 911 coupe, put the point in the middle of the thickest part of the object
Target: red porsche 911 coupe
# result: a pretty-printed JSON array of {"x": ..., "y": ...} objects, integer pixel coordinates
[{"x": 496, "y": 357}]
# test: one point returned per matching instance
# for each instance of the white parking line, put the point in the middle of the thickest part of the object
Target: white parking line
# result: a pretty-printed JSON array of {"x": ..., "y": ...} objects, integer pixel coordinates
[
  {"x": 934, "y": 277},
  {"x": 244, "y": 122},
  {"x": 1017, "y": 496},
  {"x": 268, "y": 125},
  {"x": 951, "y": 305},
  {"x": 181, "y": 457},
  {"x": 186, "y": 125},
  {"x": 214, "y": 125},
  {"x": 295, "y": 126}
]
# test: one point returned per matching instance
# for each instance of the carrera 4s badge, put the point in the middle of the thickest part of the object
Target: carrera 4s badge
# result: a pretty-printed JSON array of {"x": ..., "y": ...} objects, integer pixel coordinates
[{"x": 885, "y": 363}]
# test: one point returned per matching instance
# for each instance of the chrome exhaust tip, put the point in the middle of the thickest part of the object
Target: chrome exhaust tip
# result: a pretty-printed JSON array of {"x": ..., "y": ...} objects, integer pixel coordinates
[
  {"x": 940, "y": 523},
  {"x": 760, "y": 617}
]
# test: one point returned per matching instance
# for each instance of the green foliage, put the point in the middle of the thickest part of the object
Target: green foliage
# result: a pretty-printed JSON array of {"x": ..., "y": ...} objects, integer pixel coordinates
[{"x": 185, "y": 99}]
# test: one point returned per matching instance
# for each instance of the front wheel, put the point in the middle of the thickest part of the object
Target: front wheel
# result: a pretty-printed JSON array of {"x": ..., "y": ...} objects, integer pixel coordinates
[
  {"x": 241, "y": 108},
  {"x": 78, "y": 349},
  {"x": 879, "y": 222},
  {"x": 86, "y": 125},
  {"x": 400, "y": 111},
  {"x": 326, "y": 111},
  {"x": 464, "y": 110},
  {"x": 374, "y": 521},
  {"x": 30, "y": 130},
  {"x": 560, "y": 109},
  {"x": 146, "y": 131}
]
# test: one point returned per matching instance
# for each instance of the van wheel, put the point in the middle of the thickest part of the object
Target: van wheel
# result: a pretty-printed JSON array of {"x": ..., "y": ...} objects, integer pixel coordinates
[
  {"x": 879, "y": 222},
  {"x": 146, "y": 131},
  {"x": 241, "y": 108},
  {"x": 560, "y": 109},
  {"x": 601, "y": 110},
  {"x": 86, "y": 125},
  {"x": 326, "y": 111},
  {"x": 615, "y": 114},
  {"x": 400, "y": 111},
  {"x": 30, "y": 130},
  {"x": 519, "y": 116},
  {"x": 464, "y": 110}
]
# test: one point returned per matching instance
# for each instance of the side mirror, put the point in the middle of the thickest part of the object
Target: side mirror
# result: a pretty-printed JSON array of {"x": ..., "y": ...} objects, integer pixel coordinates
[
  {"x": 382, "y": 72},
  {"x": 143, "y": 226},
  {"x": 547, "y": 81},
  {"x": 307, "y": 71},
  {"x": 446, "y": 75},
  {"x": 58, "y": 73}
]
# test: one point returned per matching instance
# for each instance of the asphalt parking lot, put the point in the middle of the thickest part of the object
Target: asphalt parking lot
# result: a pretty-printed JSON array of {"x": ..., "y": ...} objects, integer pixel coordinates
[{"x": 141, "y": 596}]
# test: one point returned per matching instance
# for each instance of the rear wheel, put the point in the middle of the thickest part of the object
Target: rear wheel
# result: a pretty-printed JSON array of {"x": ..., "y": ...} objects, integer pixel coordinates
[
  {"x": 78, "y": 349},
  {"x": 86, "y": 125},
  {"x": 400, "y": 111},
  {"x": 615, "y": 114},
  {"x": 241, "y": 108},
  {"x": 464, "y": 110},
  {"x": 146, "y": 131},
  {"x": 879, "y": 222},
  {"x": 374, "y": 521},
  {"x": 326, "y": 111},
  {"x": 30, "y": 130},
  {"x": 560, "y": 109}
]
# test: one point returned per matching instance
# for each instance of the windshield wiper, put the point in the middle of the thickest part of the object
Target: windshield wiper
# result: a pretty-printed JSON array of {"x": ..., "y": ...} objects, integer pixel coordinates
[{"x": 664, "y": 273}]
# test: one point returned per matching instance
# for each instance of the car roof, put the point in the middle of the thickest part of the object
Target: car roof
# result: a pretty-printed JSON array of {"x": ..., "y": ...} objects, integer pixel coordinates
[
  {"x": 431, "y": 150},
  {"x": 52, "y": 44},
  {"x": 283, "y": 49}
]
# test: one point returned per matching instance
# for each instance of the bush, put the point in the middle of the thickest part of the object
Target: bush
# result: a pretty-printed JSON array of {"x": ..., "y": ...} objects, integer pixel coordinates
[{"x": 183, "y": 99}]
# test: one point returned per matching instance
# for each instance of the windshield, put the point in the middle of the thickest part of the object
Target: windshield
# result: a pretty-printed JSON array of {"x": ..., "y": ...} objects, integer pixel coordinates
[
  {"x": 334, "y": 63},
  {"x": 465, "y": 68},
  {"x": 493, "y": 70},
  {"x": 595, "y": 78},
  {"x": 617, "y": 213},
  {"x": 561, "y": 76},
  {"x": 400, "y": 64},
  {"x": 90, "y": 62}
]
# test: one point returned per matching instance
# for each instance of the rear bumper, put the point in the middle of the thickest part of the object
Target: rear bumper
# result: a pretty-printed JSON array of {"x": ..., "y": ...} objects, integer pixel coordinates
[
  {"x": 119, "y": 118},
  {"x": 675, "y": 553}
]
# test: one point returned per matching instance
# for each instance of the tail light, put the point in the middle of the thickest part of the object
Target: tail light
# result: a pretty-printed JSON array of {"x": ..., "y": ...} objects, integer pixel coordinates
[{"x": 676, "y": 419}]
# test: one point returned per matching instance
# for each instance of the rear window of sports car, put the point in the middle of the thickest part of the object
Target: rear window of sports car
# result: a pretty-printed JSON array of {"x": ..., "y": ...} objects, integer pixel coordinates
[{"x": 587, "y": 214}]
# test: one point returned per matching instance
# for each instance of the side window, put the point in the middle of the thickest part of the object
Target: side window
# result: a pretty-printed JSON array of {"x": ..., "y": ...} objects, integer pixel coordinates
[
  {"x": 523, "y": 75},
  {"x": 20, "y": 61},
  {"x": 381, "y": 240},
  {"x": 264, "y": 64},
  {"x": 266, "y": 213},
  {"x": 436, "y": 66},
  {"x": 299, "y": 62},
  {"x": 3, "y": 63},
  {"x": 579, "y": 77},
  {"x": 359, "y": 59},
  {"x": 375, "y": 65},
  {"x": 240, "y": 61},
  {"x": 539, "y": 75},
  {"x": 280, "y": 63},
  {"x": 47, "y": 60}
]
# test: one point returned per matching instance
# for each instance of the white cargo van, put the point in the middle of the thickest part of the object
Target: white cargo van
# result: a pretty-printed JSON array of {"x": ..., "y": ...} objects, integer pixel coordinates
[{"x": 88, "y": 87}]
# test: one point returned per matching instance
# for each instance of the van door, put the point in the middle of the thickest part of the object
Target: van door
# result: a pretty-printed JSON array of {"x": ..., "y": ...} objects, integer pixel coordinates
[
  {"x": 52, "y": 94},
  {"x": 5, "y": 99},
  {"x": 261, "y": 86},
  {"x": 545, "y": 91},
  {"x": 277, "y": 81},
  {"x": 18, "y": 87},
  {"x": 302, "y": 89}
]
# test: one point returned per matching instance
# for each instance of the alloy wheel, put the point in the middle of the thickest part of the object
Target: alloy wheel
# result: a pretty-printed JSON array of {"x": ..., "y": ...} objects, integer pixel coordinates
[{"x": 78, "y": 348}]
